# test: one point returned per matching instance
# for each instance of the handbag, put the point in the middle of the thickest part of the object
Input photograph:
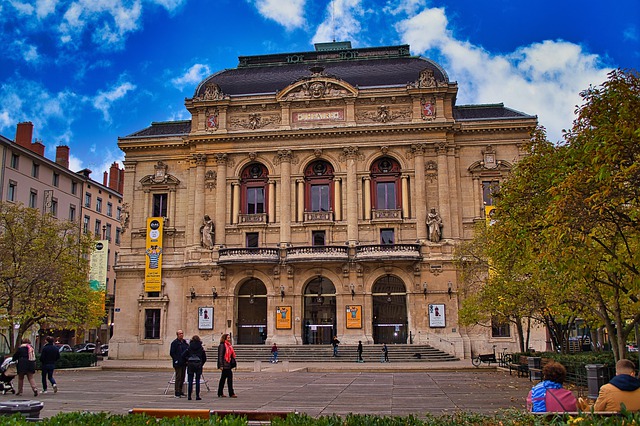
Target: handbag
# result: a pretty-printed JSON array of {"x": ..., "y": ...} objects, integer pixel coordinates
[{"x": 233, "y": 363}]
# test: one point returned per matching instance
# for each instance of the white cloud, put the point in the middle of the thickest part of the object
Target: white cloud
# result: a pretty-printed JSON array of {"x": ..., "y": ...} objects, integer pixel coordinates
[
  {"x": 288, "y": 13},
  {"x": 23, "y": 8},
  {"x": 630, "y": 34},
  {"x": 408, "y": 7},
  {"x": 342, "y": 22},
  {"x": 542, "y": 79},
  {"x": 45, "y": 8},
  {"x": 170, "y": 5},
  {"x": 104, "y": 100},
  {"x": 192, "y": 76}
]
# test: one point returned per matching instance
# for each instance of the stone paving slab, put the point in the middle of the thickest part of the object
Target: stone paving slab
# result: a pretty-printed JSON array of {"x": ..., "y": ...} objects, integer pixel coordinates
[{"x": 315, "y": 393}]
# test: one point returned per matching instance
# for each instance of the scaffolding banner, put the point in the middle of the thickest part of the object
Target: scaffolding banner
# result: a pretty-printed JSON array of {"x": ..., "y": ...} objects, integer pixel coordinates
[{"x": 153, "y": 262}]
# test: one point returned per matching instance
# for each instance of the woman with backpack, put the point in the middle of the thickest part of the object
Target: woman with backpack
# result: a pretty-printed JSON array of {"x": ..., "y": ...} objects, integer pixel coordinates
[
  {"x": 26, "y": 357},
  {"x": 194, "y": 357}
]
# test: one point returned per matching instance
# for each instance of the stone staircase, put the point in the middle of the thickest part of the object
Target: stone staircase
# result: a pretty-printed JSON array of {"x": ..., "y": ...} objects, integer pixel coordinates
[{"x": 347, "y": 353}]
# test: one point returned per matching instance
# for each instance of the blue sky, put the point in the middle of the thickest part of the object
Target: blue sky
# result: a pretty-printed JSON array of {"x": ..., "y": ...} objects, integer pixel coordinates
[{"x": 88, "y": 71}]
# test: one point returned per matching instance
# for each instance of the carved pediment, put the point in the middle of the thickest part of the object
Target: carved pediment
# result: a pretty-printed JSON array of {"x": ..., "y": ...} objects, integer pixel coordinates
[
  {"x": 160, "y": 177},
  {"x": 318, "y": 86}
]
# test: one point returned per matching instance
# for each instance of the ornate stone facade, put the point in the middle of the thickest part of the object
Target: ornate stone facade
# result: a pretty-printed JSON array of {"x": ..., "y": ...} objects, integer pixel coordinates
[{"x": 319, "y": 188}]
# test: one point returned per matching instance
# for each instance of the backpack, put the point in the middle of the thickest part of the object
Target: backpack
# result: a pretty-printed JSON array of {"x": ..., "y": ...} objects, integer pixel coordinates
[{"x": 194, "y": 362}]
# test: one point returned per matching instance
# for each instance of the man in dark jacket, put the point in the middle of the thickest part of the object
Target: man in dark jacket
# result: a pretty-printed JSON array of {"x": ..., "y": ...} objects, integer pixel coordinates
[
  {"x": 48, "y": 357},
  {"x": 178, "y": 346}
]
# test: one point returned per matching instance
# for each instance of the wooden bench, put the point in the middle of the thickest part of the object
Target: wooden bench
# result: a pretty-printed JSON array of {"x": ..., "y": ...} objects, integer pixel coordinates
[
  {"x": 574, "y": 414},
  {"x": 260, "y": 416},
  {"x": 160, "y": 413},
  {"x": 521, "y": 367}
]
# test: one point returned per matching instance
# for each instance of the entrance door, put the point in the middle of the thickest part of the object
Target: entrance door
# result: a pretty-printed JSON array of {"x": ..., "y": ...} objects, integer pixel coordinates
[
  {"x": 252, "y": 313},
  {"x": 389, "y": 311},
  {"x": 319, "y": 325}
]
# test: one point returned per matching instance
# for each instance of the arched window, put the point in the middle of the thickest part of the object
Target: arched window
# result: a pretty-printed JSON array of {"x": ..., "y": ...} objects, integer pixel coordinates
[
  {"x": 318, "y": 177},
  {"x": 385, "y": 177},
  {"x": 253, "y": 181}
]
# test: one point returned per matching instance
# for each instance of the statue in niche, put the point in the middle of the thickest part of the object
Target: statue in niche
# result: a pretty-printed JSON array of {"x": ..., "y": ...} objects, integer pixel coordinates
[
  {"x": 207, "y": 232},
  {"x": 434, "y": 223}
]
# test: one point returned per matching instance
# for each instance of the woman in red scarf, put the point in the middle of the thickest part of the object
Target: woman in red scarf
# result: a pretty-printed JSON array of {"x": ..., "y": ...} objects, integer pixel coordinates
[{"x": 226, "y": 362}]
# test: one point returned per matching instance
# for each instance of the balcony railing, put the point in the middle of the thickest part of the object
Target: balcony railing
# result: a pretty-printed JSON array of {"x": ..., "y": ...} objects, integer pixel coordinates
[
  {"x": 317, "y": 253},
  {"x": 386, "y": 215},
  {"x": 388, "y": 252},
  {"x": 251, "y": 219},
  {"x": 249, "y": 254},
  {"x": 318, "y": 216}
]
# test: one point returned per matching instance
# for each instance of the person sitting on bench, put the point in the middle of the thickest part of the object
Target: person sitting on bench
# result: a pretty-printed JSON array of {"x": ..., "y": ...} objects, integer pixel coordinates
[
  {"x": 548, "y": 395},
  {"x": 624, "y": 388}
]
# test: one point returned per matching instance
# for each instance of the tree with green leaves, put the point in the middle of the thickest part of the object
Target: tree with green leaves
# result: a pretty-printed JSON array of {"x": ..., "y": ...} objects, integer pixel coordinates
[{"x": 43, "y": 274}]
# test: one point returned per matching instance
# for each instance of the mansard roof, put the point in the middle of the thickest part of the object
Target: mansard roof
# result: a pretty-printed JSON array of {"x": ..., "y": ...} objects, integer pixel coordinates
[
  {"x": 485, "y": 111},
  {"x": 163, "y": 128},
  {"x": 361, "y": 68}
]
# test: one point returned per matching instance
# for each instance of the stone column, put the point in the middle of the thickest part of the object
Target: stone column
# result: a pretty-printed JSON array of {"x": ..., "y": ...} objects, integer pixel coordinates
[
  {"x": 235, "y": 193},
  {"x": 300, "y": 186},
  {"x": 337, "y": 199},
  {"x": 221, "y": 198},
  {"x": 198, "y": 205},
  {"x": 405, "y": 197},
  {"x": 477, "y": 202},
  {"x": 444, "y": 207},
  {"x": 454, "y": 192},
  {"x": 191, "y": 202},
  {"x": 272, "y": 201},
  {"x": 366, "y": 189},
  {"x": 420, "y": 201},
  {"x": 284, "y": 158},
  {"x": 351, "y": 154}
]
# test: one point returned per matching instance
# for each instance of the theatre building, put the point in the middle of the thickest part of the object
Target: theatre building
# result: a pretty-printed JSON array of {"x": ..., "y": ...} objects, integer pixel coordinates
[{"x": 310, "y": 194}]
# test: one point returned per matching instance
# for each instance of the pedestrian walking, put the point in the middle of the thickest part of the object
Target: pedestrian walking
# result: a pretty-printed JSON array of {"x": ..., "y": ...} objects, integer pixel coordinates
[
  {"x": 26, "y": 357},
  {"x": 226, "y": 363},
  {"x": 178, "y": 346},
  {"x": 360, "y": 351},
  {"x": 385, "y": 352},
  {"x": 48, "y": 357},
  {"x": 335, "y": 342},
  {"x": 274, "y": 353},
  {"x": 194, "y": 357}
]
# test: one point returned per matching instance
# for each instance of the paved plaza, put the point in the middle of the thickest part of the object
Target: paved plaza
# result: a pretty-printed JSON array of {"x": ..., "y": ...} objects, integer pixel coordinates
[{"x": 315, "y": 389}]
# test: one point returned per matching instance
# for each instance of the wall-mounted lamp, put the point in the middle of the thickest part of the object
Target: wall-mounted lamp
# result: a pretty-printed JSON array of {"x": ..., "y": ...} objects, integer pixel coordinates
[
  {"x": 281, "y": 293},
  {"x": 214, "y": 293},
  {"x": 389, "y": 297},
  {"x": 192, "y": 294},
  {"x": 251, "y": 299},
  {"x": 449, "y": 289},
  {"x": 424, "y": 289},
  {"x": 353, "y": 290}
]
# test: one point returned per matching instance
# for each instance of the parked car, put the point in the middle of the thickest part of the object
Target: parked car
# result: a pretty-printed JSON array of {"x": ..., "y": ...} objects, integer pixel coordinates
[
  {"x": 104, "y": 350},
  {"x": 65, "y": 348},
  {"x": 632, "y": 347},
  {"x": 84, "y": 347}
]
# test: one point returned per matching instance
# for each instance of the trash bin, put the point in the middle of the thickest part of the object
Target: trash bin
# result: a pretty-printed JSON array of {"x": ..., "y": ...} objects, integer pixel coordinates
[
  {"x": 596, "y": 377},
  {"x": 29, "y": 409},
  {"x": 535, "y": 362}
]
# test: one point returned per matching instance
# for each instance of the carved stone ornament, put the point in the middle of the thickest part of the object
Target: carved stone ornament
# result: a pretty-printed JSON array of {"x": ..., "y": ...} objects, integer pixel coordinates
[
  {"x": 160, "y": 174},
  {"x": 426, "y": 79},
  {"x": 212, "y": 122},
  {"x": 489, "y": 154},
  {"x": 428, "y": 109},
  {"x": 255, "y": 121},
  {"x": 212, "y": 92},
  {"x": 124, "y": 217},
  {"x": 210, "y": 178},
  {"x": 317, "y": 86},
  {"x": 383, "y": 114}
]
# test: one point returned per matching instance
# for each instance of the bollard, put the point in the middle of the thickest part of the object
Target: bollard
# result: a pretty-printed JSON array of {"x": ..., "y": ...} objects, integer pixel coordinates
[
  {"x": 256, "y": 366},
  {"x": 595, "y": 379}
]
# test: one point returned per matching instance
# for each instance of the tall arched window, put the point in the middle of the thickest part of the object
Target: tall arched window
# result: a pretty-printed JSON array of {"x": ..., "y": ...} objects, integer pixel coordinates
[
  {"x": 253, "y": 181},
  {"x": 318, "y": 178},
  {"x": 385, "y": 177}
]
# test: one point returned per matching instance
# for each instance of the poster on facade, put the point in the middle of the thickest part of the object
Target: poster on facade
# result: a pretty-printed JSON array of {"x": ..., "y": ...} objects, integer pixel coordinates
[
  {"x": 153, "y": 253},
  {"x": 436, "y": 316},
  {"x": 354, "y": 316},
  {"x": 98, "y": 266},
  {"x": 283, "y": 317},
  {"x": 205, "y": 318}
]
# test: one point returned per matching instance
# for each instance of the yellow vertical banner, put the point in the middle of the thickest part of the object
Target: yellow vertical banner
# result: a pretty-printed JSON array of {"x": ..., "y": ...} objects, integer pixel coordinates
[
  {"x": 153, "y": 253},
  {"x": 488, "y": 214}
]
